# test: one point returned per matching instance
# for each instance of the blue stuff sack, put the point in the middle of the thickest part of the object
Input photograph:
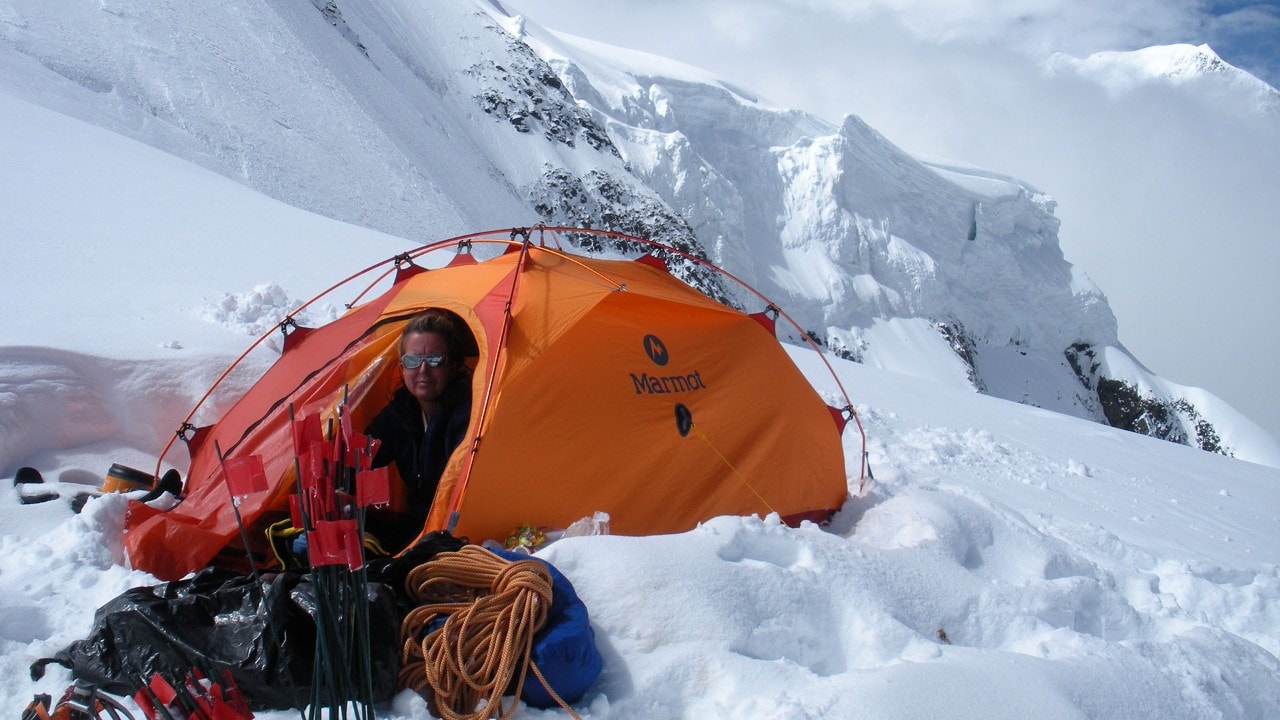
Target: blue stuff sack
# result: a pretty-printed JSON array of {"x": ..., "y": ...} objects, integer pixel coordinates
[{"x": 565, "y": 648}]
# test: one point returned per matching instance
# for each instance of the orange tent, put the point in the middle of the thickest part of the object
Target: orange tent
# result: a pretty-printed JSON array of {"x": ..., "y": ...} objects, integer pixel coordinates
[{"x": 598, "y": 385}]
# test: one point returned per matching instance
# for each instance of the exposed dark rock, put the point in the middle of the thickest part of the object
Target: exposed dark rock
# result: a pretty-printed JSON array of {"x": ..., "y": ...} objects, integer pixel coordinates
[
  {"x": 965, "y": 348},
  {"x": 331, "y": 12},
  {"x": 1127, "y": 408},
  {"x": 1083, "y": 361},
  {"x": 529, "y": 95},
  {"x": 602, "y": 202}
]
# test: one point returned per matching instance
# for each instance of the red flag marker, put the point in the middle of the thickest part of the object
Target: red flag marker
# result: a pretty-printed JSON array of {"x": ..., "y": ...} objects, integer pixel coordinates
[
  {"x": 373, "y": 487},
  {"x": 245, "y": 475}
]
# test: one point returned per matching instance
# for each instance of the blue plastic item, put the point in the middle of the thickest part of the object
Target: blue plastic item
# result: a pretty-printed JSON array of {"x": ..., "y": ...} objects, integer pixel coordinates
[{"x": 565, "y": 649}]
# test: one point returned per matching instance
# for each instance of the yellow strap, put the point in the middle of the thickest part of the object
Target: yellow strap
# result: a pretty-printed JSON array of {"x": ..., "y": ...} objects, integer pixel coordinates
[
  {"x": 280, "y": 529},
  {"x": 728, "y": 464},
  {"x": 373, "y": 546}
]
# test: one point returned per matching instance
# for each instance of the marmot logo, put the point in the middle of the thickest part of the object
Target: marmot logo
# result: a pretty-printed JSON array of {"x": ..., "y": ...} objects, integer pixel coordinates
[
  {"x": 646, "y": 384},
  {"x": 656, "y": 351}
]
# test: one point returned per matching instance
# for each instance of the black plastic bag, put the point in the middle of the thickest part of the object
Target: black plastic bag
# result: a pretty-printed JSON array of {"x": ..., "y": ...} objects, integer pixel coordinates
[{"x": 264, "y": 635}]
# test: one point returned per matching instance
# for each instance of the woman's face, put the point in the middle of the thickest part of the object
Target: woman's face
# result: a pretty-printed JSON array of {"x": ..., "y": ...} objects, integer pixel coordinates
[{"x": 424, "y": 382}]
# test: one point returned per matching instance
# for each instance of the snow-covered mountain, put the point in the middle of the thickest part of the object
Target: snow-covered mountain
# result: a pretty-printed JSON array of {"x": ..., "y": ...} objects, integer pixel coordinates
[
  {"x": 428, "y": 120},
  {"x": 1196, "y": 66}
]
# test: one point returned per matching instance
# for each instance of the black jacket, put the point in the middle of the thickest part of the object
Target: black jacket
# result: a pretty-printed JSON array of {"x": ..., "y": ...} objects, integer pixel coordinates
[{"x": 419, "y": 456}]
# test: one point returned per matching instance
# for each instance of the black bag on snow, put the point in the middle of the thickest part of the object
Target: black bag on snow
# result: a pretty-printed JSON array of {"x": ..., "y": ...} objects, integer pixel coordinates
[{"x": 216, "y": 620}]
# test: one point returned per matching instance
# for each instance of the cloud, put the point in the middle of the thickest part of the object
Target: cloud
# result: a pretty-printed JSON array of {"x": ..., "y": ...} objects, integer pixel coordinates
[{"x": 1035, "y": 27}]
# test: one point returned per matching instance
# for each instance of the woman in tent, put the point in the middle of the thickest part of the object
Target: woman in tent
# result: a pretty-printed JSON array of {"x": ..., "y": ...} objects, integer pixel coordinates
[{"x": 426, "y": 418}]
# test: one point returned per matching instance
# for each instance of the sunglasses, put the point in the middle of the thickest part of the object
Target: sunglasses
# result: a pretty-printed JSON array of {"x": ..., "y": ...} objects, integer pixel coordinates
[{"x": 413, "y": 362}]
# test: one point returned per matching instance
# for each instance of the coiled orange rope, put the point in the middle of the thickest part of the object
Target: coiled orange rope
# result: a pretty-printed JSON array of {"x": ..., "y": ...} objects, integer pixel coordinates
[{"x": 492, "y": 608}]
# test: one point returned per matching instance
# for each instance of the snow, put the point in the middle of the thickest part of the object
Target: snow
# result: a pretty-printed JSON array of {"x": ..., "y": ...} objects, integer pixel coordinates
[
  {"x": 894, "y": 345},
  {"x": 1004, "y": 561}
]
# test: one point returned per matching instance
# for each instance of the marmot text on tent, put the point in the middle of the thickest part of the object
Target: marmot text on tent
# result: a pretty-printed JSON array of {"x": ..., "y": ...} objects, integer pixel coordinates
[{"x": 658, "y": 385}]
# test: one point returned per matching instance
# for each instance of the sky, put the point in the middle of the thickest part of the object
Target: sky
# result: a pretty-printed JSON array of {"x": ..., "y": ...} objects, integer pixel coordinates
[
  {"x": 1166, "y": 196},
  {"x": 1002, "y": 562}
]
